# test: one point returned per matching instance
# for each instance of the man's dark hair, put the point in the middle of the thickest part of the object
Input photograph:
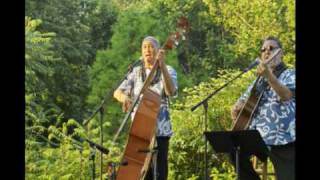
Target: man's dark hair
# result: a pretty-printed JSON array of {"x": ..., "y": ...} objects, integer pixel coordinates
[{"x": 273, "y": 39}]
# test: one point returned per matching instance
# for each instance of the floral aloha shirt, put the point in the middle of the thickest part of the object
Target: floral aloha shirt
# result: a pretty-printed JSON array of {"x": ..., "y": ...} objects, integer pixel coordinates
[{"x": 275, "y": 119}]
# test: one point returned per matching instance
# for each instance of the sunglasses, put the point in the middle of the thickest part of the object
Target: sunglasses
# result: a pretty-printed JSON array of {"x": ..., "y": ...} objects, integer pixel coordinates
[{"x": 269, "y": 48}]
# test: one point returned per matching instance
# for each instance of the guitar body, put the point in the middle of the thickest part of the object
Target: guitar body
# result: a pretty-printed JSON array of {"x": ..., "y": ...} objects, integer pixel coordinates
[
  {"x": 141, "y": 137},
  {"x": 244, "y": 117}
]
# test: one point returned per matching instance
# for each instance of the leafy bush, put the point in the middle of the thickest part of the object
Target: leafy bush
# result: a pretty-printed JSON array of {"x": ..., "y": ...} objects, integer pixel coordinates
[
  {"x": 187, "y": 145},
  {"x": 83, "y": 48}
]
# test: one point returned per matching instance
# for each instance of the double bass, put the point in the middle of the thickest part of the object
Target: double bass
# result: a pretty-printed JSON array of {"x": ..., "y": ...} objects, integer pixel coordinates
[{"x": 142, "y": 133}]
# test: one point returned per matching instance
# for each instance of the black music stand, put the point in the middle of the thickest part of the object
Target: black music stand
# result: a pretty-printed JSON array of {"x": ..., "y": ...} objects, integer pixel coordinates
[{"x": 246, "y": 141}]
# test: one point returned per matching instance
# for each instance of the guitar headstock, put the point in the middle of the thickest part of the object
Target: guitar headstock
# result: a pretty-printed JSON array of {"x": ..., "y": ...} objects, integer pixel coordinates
[{"x": 175, "y": 38}]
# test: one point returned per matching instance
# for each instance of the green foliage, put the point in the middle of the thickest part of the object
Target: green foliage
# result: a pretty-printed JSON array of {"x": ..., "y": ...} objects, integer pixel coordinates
[
  {"x": 46, "y": 163},
  {"x": 187, "y": 144},
  {"x": 64, "y": 162},
  {"x": 63, "y": 149},
  {"x": 81, "y": 27},
  {"x": 77, "y": 52},
  {"x": 39, "y": 66},
  {"x": 250, "y": 22},
  {"x": 60, "y": 46},
  {"x": 101, "y": 18}
]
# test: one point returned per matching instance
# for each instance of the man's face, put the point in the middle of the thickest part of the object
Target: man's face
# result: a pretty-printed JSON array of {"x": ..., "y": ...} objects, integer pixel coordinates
[
  {"x": 268, "y": 48},
  {"x": 148, "y": 52}
]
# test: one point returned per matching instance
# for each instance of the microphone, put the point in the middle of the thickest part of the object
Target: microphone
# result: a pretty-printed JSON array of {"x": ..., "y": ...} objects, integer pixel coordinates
[
  {"x": 99, "y": 147},
  {"x": 252, "y": 65}
]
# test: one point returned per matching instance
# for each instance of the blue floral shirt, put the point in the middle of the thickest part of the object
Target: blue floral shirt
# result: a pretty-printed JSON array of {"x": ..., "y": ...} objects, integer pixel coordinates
[
  {"x": 273, "y": 118},
  {"x": 133, "y": 84}
]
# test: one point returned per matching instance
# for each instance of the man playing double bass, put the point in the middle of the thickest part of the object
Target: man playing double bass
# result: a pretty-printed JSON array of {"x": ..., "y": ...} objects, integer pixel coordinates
[
  {"x": 165, "y": 84},
  {"x": 274, "y": 116}
]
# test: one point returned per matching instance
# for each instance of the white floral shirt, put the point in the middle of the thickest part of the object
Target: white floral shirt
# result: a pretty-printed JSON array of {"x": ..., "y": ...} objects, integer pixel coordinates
[{"x": 275, "y": 119}]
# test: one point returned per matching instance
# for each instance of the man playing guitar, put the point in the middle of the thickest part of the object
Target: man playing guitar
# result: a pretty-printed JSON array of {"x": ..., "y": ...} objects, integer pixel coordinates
[{"x": 274, "y": 115}]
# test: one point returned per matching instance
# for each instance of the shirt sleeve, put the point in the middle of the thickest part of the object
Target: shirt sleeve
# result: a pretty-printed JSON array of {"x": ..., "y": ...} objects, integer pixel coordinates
[
  {"x": 289, "y": 80},
  {"x": 174, "y": 78},
  {"x": 127, "y": 85}
]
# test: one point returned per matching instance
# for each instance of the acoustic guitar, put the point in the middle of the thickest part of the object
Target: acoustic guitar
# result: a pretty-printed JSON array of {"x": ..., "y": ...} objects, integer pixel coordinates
[{"x": 244, "y": 117}]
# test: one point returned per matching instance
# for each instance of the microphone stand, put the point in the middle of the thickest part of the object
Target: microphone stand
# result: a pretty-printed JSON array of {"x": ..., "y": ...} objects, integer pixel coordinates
[
  {"x": 204, "y": 102},
  {"x": 93, "y": 149},
  {"x": 101, "y": 109},
  {"x": 92, "y": 157},
  {"x": 112, "y": 169}
]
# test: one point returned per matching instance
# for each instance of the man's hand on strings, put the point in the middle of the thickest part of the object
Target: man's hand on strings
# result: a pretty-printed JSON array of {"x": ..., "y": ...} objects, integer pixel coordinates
[{"x": 264, "y": 70}]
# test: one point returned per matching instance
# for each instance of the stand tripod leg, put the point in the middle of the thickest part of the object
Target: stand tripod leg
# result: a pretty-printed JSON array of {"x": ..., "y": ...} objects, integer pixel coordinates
[
  {"x": 237, "y": 162},
  {"x": 206, "y": 161},
  {"x": 205, "y": 105},
  {"x": 92, "y": 157},
  {"x": 101, "y": 140},
  {"x": 93, "y": 170},
  {"x": 112, "y": 167},
  {"x": 155, "y": 165},
  {"x": 154, "y": 159}
]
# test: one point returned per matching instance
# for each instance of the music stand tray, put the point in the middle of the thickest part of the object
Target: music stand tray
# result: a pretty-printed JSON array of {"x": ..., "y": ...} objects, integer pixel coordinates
[{"x": 244, "y": 141}]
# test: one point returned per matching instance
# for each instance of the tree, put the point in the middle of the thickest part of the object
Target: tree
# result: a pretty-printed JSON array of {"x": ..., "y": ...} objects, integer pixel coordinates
[
  {"x": 78, "y": 25},
  {"x": 39, "y": 66}
]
